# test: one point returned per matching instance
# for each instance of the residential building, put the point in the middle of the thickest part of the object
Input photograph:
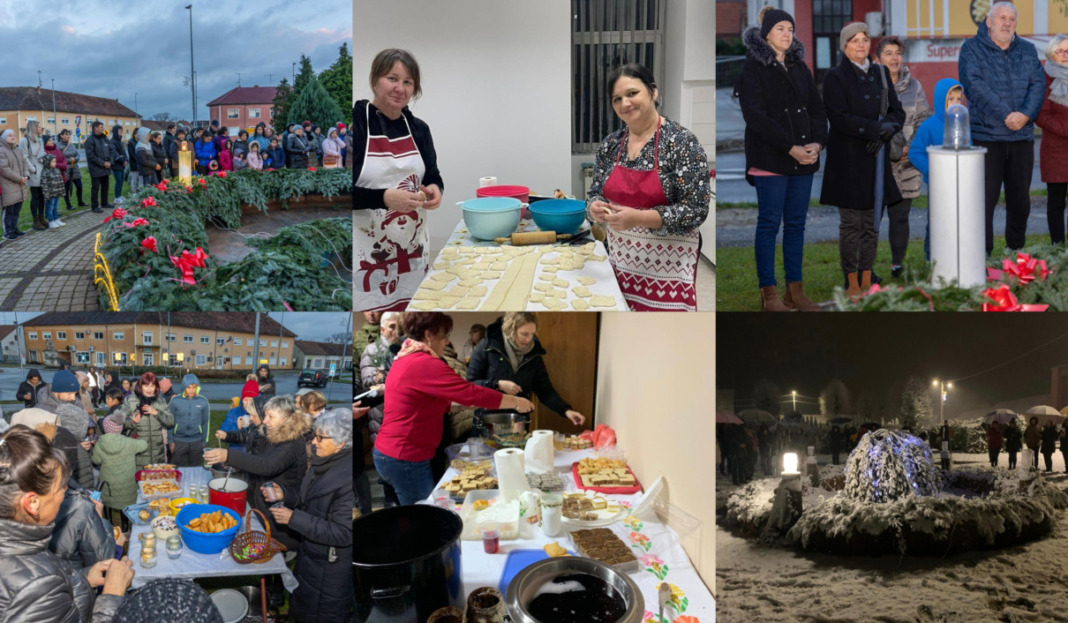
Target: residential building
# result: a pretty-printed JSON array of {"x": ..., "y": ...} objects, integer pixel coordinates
[
  {"x": 933, "y": 30},
  {"x": 73, "y": 111},
  {"x": 202, "y": 340},
  {"x": 319, "y": 355},
  {"x": 241, "y": 108},
  {"x": 9, "y": 345}
]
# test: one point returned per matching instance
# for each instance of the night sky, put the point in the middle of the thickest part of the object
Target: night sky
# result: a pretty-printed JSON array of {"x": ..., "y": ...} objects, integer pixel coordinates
[{"x": 870, "y": 353}]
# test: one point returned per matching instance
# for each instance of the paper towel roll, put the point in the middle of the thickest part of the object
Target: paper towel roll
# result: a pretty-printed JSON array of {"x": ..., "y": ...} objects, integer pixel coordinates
[
  {"x": 487, "y": 181},
  {"x": 539, "y": 450},
  {"x": 511, "y": 473}
]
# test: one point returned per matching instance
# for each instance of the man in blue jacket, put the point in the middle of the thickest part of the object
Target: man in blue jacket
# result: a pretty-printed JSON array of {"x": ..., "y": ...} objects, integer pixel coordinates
[
  {"x": 192, "y": 421},
  {"x": 1005, "y": 86}
]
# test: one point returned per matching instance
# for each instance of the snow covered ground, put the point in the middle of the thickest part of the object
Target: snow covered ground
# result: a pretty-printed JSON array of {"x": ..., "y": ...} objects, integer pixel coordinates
[{"x": 1024, "y": 583}]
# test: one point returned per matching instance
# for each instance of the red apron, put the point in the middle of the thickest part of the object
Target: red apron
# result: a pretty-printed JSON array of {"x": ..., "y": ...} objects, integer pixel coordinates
[{"x": 655, "y": 272}]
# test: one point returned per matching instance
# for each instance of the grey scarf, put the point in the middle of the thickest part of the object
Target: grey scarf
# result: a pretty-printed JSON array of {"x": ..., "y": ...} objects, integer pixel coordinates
[
  {"x": 516, "y": 354},
  {"x": 1058, "y": 89}
]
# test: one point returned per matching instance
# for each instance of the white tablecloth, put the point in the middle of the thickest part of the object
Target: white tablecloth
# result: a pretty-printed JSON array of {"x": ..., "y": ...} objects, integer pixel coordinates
[
  {"x": 655, "y": 545},
  {"x": 194, "y": 565},
  {"x": 601, "y": 271}
]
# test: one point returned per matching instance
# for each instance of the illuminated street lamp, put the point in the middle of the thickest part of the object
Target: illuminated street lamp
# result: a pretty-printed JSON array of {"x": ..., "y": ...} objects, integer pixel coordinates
[{"x": 942, "y": 387}]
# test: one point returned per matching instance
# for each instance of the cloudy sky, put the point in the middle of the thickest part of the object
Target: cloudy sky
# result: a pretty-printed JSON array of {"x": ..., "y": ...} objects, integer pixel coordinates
[
  {"x": 310, "y": 326},
  {"x": 115, "y": 48}
]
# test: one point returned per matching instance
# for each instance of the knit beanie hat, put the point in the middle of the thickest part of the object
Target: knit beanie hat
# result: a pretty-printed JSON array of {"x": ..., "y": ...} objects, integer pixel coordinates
[
  {"x": 64, "y": 381},
  {"x": 166, "y": 601},
  {"x": 112, "y": 425},
  {"x": 771, "y": 18},
  {"x": 250, "y": 390},
  {"x": 849, "y": 31}
]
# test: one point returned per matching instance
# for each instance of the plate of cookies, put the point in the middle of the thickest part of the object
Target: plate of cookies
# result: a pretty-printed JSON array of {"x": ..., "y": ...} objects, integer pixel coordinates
[
  {"x": 587, "y": 509},
  {"x": 605, "y": 475},
  {"x": 471, "y": 478}
]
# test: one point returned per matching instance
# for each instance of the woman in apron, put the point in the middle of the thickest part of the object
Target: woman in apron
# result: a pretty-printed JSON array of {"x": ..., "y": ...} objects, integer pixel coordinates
[
  {"x": 651, "y": 191},
  {"x": 396, "y": 180}
]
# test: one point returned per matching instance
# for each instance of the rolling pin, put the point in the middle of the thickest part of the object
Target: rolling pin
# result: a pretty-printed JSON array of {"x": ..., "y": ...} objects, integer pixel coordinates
[{"x": 533, "y": 237}]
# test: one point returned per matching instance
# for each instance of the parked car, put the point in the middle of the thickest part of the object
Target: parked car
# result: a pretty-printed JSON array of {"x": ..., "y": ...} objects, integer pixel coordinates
[{"x": 312, "y": 378}]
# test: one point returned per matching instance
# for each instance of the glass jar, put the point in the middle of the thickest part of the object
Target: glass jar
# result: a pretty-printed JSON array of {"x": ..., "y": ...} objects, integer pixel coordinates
[
  {"x": 148, "y": 556},
  {"x": 203, "y": 497},
  {"x": 174, "y": 547}
]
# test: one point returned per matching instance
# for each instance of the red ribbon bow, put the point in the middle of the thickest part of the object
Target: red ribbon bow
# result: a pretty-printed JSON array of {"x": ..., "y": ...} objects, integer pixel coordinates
[
  {"x": 137, "y": 222},
  {"x": 150, "y": 244},
  {"x": 1025, "y": 269},
  {"x": 150, "y": 201},
  {"x": 221, "y": 174},
  {"x": 1006, "y": 301},
  {"x": 162, "y": 186},
  {"x": 116, "y": 214},
  {"x": 311, "y": 168},
  {"x": 187, "y": 262}
]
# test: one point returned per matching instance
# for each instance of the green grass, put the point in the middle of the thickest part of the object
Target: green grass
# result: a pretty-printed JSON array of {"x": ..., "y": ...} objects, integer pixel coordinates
[
  {"x": 26, "y": 218},
  {"x": 918, "y": 202},
  {"x": 736, "y": 279}
]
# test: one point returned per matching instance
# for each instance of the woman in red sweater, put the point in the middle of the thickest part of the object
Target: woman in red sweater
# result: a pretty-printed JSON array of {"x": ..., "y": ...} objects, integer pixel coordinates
[
  {"x": 1053, "y": 119},
  {"x": 420, "y": 387}
]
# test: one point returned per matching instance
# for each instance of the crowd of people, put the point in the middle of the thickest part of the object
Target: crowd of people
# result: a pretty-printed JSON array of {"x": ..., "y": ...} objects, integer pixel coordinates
[
  {"x": 43, "y": 168},
  {"x": 875, "y": 123},
  {"x": 1045, "y": 439},
  {"x": 67, "y": 471},
  {"x": 432, "y": 393}
]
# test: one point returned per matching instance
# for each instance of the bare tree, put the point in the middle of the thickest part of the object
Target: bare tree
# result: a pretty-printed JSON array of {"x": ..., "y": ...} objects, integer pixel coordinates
[
  {"x": 164, "y": 116},
  {"x": 340, "y": 338},
  {"x": 766, "y": 396},
  {"x": 834, "y": 399}
]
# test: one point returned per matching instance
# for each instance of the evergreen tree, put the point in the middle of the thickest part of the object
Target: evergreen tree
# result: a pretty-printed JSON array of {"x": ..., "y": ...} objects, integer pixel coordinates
[
  {"x": 337, "y": 80},
  {"x": 304, "y": 75},
  {"x": 280, "y": 105},
  {"x": 916, "y": 407},
  {"x": 316, "y": 105},
  {"x": 766, "y": 396},
  {"x": 834, "y": 399}
]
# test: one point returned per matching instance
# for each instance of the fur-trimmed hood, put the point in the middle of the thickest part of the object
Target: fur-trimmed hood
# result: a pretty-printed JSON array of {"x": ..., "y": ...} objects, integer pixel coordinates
[
  {"x": 758, "y": 49},
  {"x": 294, "y": 427}
]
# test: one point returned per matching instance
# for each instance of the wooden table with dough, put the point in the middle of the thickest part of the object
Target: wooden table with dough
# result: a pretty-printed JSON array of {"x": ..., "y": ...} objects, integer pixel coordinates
[{"x": 478, "y": 275}]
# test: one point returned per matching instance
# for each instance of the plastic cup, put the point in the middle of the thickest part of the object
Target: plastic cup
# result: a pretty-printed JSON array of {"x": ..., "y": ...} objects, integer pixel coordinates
[{"x": 491, "y": 532}]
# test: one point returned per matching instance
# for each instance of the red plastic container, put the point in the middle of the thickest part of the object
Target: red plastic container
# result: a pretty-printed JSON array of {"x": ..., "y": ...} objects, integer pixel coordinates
[
  {"x": 234, "y": 497},
  {"x": 522, "y": 193}
]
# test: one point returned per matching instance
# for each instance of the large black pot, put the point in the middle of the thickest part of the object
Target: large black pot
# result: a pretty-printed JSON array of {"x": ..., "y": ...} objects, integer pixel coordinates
[{"x": 406, "y": 563}]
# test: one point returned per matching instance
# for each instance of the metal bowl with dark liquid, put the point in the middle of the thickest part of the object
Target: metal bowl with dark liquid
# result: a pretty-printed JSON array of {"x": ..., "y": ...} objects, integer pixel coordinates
[
  {"x": 609, "y": 596},
  {"x": 501, "y": 428}
]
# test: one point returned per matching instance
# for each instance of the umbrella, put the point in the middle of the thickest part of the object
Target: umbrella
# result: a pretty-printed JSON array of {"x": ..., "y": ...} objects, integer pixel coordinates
[
  {"x": 1064, "y": 411},
  {"x": 1001, "y": 416},
  {"x": 722, "y": 417},
  {"x": 838, "y": 421},
  {"x": 1044, "y": 414},
  {"x": 757, "y": 416}
]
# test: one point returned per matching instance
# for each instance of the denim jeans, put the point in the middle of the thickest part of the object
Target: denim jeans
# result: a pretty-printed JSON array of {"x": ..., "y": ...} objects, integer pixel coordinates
[
  {"x": 119, "y": 173},
  {"x": 412, "y": 480},
  {"x": 781, "y": 199},
  {"x": 52, "y": 209}
]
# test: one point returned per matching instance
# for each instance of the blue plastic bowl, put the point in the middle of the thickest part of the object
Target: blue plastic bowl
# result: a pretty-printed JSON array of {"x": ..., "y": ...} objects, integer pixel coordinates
[
  {"x": 491, "y": 217},
  {"x": 564, "y": 216},
  {"x": 201, "y": 542}
]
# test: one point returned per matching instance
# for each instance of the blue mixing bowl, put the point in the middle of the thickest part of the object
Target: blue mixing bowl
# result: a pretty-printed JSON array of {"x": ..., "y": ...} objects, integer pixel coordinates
[
  {"x": 564, "y": 216},
  {"x": 491, "y": 217}
]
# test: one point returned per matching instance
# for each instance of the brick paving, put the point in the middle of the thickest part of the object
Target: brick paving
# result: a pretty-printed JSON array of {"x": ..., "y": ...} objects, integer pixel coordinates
[{"x": 51, "y": 270}]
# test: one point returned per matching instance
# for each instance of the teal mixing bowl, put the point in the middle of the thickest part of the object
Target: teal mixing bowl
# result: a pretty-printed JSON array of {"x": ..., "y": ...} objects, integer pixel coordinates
[
  {"x": 491, "y": 217},
  {"x": 564, "y": 216}
]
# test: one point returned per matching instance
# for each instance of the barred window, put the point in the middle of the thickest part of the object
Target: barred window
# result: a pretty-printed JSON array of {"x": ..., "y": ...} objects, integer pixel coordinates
[{"x": 607, "y": 34}]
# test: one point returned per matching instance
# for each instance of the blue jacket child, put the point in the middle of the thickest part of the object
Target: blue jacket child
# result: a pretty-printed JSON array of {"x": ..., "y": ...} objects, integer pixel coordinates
[{"x": 930, "y": 133}]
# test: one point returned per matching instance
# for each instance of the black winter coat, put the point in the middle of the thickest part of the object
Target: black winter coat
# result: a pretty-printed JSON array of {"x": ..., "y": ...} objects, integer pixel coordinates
[
  {"x": 296, "y": 152},
  {"x": 26, "y": 388},
  {"x": 97, "y": 152},
  {"x": 1013, "y": 439},
  {"x": 852, "y": 100},
  {"x": 159, "y": 152},
  {"x": 322, "y": 515},
  {"x": 81, "y": 537},
  {"x": 781, "y": 107},
  {"x": 285, "y": 464},
  {"x": 35, "y": 585},
  {"x": 146, "y": 161},
  {"x": 118, "y": 152},
  {"x": 490, "y": 365},
  {"x": 81, "y": 462},
  {"x": 131, "y": 152},
  {"x": 1049, "y": 439}
]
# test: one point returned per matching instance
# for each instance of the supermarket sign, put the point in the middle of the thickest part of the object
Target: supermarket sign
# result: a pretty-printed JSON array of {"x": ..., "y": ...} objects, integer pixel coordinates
[{"x": 934, "y": 50}]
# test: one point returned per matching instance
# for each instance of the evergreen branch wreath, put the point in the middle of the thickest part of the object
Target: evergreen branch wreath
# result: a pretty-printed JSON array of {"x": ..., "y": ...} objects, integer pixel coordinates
[{"x": 150, "y": 256}]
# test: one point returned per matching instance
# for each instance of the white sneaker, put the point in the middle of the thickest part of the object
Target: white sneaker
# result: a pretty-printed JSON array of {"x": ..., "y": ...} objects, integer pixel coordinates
[
  {"x": 61, "y": 223},
  {"x": 53, "y": 225},
  {"x": 119, "y": 200}
]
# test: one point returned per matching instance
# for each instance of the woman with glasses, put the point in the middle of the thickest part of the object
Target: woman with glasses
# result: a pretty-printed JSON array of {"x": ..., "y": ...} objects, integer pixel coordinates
[{"x": 1053, "y": 119}]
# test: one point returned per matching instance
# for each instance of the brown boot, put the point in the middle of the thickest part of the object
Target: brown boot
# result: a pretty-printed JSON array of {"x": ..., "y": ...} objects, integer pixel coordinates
[
  {"x": 854, "y": 290},
  {"x": 769, "y": 300},
  {"x": 38, "y": 225},
  {"x": 795, "y": 298},
  {"x": 865, "y": 280}
]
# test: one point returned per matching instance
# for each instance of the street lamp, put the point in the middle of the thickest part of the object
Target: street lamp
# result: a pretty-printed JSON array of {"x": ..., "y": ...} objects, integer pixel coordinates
[
  {"x": 192, "y": 70},
  {"x": 942, "y": 387},
  {"x": 794, "y": 395}
]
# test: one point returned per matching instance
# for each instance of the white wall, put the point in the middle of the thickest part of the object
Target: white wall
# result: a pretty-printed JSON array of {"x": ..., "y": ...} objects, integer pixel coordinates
[
  {"x": 656, "y": 391},
  {"x": 496, "y": 89}
]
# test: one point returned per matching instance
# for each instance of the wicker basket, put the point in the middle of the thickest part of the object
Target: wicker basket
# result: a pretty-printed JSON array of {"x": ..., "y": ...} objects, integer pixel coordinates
[{"x": 255, "y": 538}]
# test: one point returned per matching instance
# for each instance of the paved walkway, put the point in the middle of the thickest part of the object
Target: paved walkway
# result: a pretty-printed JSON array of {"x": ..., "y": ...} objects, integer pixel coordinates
[{"x": 52, "y": 270}]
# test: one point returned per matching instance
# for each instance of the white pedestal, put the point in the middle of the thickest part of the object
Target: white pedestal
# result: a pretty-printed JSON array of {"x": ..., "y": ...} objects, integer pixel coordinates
[{"x": 957, "y": 212}]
